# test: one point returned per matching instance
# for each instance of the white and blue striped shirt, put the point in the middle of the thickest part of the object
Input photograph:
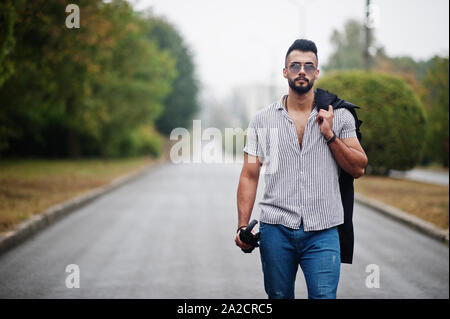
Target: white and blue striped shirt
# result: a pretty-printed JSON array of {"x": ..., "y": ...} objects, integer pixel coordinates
[{"x": 302, "y": 184}]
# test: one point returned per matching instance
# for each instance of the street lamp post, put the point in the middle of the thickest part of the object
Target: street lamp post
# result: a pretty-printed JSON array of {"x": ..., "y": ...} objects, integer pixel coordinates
[
  {"x": 301, "y": 5},
  {"x": 367, "y": 37}
]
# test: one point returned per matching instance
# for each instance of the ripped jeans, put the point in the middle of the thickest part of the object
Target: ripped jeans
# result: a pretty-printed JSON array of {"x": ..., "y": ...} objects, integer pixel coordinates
[{"x": 283, "y": 249}]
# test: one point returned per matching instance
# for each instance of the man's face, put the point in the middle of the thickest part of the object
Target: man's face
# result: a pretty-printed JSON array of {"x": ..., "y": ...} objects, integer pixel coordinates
[{"x": 301, "y": 70}]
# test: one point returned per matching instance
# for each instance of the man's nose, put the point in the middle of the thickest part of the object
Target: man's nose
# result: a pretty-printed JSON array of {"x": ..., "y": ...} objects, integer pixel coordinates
[{"x": 302, "y": 70}]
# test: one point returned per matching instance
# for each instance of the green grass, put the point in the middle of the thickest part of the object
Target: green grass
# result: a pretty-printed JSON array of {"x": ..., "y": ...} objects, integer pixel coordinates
[{"x": 29, "y": 187}]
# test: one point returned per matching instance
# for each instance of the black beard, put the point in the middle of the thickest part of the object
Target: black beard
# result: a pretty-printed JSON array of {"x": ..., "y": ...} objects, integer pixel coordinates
[{"x": 301, "y": 89}]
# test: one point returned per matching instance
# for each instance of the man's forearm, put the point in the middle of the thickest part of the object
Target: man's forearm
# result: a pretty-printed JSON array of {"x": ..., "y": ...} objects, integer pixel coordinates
[
  {"x": 246, "y": 195},
  {"x": 349, "y": 159}
]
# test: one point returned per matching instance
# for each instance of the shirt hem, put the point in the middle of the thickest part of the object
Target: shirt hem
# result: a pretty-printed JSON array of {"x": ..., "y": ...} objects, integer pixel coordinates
[{"x": 305, "y": 227}]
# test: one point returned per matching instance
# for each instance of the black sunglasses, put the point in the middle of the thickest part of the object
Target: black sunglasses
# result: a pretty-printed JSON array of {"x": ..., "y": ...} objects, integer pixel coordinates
[{"x": 296, "y": 67}]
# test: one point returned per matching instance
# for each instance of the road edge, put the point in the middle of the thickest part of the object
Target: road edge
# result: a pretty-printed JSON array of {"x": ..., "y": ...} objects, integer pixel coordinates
[
  {"x": 408, "y": 219},
  {"x": 36, "y": 223}
]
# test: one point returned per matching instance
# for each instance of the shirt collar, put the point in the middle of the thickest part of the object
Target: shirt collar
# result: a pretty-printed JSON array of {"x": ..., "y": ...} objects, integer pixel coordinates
[{"x": 280, "y": 105}]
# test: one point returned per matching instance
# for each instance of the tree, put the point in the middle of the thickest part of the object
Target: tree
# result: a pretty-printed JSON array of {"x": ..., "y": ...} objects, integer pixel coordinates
[
  {"x": 436, "y": 84},
  {"x": 7, "y": 20},
  {"x": 406, "y": 67},
  {"x": 348, "y": 47},
  {"x": 181, "y": 104},
  {"x": 81, "y": 91}
]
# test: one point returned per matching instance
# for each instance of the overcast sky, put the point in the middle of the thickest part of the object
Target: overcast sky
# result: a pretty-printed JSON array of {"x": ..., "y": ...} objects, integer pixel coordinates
[{"x": 238, "y": 42}]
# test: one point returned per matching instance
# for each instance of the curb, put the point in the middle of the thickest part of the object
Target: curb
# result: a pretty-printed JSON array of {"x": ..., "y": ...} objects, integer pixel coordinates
[
  {"x": 38, "y": 222},
  {"x": 408, "y": 219}
]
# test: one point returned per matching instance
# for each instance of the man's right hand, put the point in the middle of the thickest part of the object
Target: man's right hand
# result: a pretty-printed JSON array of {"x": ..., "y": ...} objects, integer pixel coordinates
[
  {"x": 248, "y": 184},
  {"x": 239, "y": 242}
]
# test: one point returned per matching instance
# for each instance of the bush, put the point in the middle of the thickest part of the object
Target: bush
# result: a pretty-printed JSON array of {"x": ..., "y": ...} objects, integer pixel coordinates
[
  {"x": 142, "y": 141},
  {"x": 394, "y": 121},
  {"x": 151, "y": 142}
]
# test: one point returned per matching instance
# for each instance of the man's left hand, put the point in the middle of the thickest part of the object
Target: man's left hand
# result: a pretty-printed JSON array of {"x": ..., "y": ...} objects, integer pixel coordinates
[{"x": 325, "y": 120}]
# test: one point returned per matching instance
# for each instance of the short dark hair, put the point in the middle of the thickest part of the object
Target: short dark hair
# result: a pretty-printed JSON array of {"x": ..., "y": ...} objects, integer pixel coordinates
[{"x": 303, "y": 45}]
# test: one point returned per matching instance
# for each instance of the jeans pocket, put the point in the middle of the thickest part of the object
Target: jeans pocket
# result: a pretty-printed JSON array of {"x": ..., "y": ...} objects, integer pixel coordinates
[{"x": 261, "y": 226}]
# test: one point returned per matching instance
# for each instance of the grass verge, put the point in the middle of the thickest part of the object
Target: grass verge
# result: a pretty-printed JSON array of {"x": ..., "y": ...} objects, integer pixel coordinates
[
  {"x": 29, "y": 187},
  {"x": 426, "y": 201}
]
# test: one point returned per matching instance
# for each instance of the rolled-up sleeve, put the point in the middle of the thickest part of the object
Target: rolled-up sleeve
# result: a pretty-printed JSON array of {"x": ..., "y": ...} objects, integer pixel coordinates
[
  {"x": 252, "y": 141},
  {"x": 348, "y": 125}
]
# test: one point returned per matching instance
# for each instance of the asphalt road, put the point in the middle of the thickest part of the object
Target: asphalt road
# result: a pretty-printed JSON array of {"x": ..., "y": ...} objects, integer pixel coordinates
[
  {"x": 422, "y": 175},
  {"x": 170, "y": 234}
]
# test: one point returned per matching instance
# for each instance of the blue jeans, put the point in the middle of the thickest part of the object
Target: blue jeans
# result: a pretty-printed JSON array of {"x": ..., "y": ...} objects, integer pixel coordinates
[{"x": 282, "y": 249}]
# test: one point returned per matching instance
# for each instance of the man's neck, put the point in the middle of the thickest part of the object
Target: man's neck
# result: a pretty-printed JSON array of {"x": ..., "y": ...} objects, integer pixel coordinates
[{"x": 300, "y": 102}]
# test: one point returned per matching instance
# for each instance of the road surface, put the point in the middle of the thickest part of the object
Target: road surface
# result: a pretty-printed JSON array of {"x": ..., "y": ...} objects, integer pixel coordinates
[
  {"x": 422, "y": 175},
  {"x": 170, "y": 234}
]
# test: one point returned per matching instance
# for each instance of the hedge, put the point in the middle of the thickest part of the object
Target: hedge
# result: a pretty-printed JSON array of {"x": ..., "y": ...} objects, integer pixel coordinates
[{"x": 394, "y": 120}]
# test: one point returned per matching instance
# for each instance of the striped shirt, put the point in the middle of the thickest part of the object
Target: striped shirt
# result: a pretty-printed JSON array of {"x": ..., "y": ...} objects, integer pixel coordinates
[{"x": 301, "y": 184}]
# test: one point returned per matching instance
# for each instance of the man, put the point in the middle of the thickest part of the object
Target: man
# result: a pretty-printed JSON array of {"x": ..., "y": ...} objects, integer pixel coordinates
[{"x": 302, "y": 206}]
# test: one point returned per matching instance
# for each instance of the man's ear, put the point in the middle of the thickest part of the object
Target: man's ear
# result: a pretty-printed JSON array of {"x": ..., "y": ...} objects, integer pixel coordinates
[
  {"x": 285, "y": 73},
  {"x": 317, "y": 73}
]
